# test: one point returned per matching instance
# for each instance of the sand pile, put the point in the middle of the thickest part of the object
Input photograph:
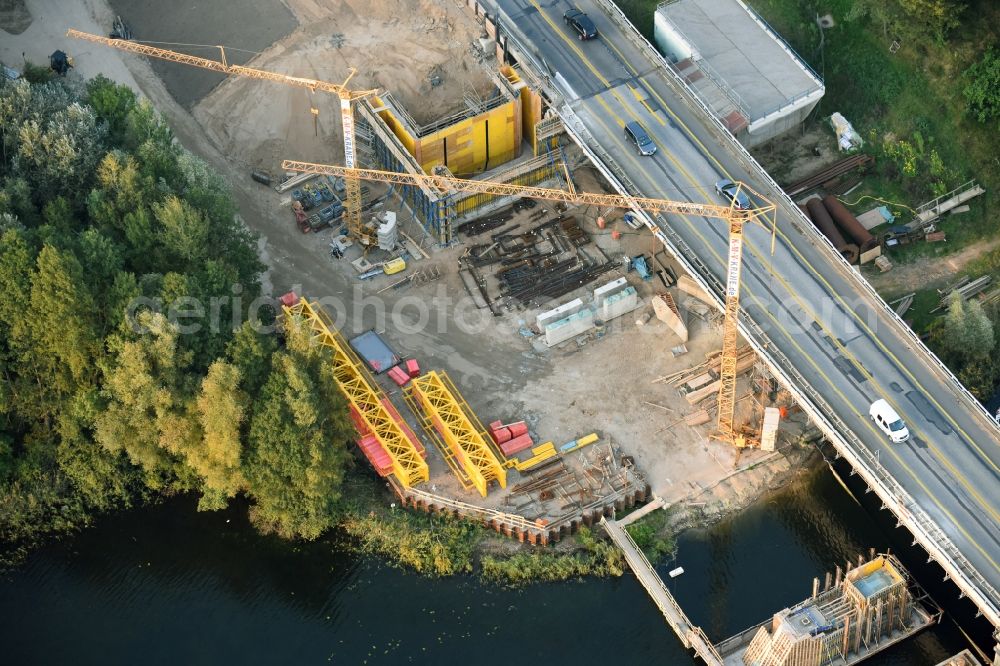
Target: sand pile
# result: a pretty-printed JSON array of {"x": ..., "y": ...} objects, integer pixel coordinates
[{"x": 394, "y": 44}]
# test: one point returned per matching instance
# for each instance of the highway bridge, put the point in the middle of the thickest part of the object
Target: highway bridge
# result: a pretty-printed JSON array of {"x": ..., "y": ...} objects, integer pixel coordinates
[{"x": 817, "y": 323}]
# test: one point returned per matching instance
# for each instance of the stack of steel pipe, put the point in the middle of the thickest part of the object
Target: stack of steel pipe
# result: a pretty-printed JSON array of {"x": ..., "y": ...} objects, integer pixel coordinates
[
  {"x": 821, "y": 218},
  {"x": 849, "y": 224}
]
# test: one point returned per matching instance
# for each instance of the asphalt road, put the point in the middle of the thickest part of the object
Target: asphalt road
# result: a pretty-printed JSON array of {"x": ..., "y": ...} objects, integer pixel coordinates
[{"x": 835, "y": 334}]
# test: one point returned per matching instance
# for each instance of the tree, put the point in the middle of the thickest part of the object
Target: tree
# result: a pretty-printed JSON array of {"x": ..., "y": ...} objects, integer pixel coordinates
[
  {"x": 183, "y": 230},
  {"x": 112, "y": 103},
  {"x": 968, "y": 331},
  {"x": 887, "y": 13},
  {"x": 58, "y": 154},
  {"x": 222, "y": 410},
  {"x": 937, "y": 17},
  {"x": 982, "y": 87},
  {"x": 147, "y": 411},
  {"x": 65, "y": 341},
  {"x": 251, "y": 352},
  {"x": 297, "y": 443}
]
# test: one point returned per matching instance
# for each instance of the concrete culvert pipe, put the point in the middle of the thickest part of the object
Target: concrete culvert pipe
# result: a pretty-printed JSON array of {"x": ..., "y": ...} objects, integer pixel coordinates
[
  {"x": 849, "y": 224},
  {"x": 821, "y": 218}
]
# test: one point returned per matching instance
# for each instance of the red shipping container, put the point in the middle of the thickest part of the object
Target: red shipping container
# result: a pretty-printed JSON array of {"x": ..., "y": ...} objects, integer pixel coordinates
[
  {"x": 359, "y": 422},
  {"x": 496, "y": 425},
  {"x": 290, "y": 299},
  {"x": 501, "y": 435},
  {"x": 376, "y": 454},
  {"x": 412, "y": 367},
  {"x": 516, "y": 445},
  {"x": 518, "y": 429},
  {"x": 398, "y": 375}
]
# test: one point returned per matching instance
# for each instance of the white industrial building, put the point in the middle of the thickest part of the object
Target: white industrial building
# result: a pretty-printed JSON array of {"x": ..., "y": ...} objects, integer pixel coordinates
[{"x": 743, "y": 71}]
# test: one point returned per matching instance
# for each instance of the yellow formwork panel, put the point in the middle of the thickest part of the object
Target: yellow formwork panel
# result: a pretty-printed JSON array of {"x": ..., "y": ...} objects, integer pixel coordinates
[
  {"x": 396, "y": 126},
  {"x": 408, "y": 465},
  {"x": 462, "y": 147},
  {"x": 541, "y": 453},
  {"x": 444, "y": 409}
]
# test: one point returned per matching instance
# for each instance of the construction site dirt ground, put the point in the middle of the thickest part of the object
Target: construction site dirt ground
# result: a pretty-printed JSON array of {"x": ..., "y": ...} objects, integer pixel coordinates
[{"x": 605, "y": 385}]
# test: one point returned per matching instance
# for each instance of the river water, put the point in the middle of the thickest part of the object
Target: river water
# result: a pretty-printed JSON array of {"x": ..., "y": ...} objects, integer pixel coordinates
[{"x": 168, "y": 585}]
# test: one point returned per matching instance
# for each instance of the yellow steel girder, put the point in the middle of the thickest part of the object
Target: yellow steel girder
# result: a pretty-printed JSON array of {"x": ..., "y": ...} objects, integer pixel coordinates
[
  {"x": 444, "y": 409},
  {"x": 408, "y": 465}
]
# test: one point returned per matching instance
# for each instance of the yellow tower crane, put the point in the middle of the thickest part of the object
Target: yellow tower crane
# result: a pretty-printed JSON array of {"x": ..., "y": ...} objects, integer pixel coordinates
[
  {"x": 734, "y": 217},
  {"x": 352, "y": 208}
]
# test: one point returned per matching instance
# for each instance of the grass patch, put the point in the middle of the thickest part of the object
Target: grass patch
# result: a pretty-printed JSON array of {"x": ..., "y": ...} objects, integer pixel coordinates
[
  {"x": 651, "y": 535},
  {"x": 432, "y": 546},
  {"x": 595, "y": 558},
  {"x": 640, "y": 13}
]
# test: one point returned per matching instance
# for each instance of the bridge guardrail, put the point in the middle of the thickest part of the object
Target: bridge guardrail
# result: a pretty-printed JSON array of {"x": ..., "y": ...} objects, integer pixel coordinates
[
  {"x": 932, "y": 538},
  {"x": 861, "y": 458},
  {"x": 751, "y": 164}
]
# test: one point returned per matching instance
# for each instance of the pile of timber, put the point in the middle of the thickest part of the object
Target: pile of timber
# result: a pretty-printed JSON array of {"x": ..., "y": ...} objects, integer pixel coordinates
[
  {"x": 965, "y": 288},
  {"x": 829, "y": 174},
  {"x": 702, "y": 380}
]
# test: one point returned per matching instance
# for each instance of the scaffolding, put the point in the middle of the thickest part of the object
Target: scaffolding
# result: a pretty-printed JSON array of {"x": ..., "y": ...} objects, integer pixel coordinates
[
  {"x": 864, "y": 609},
  {"x": 364, "y": 397},
  {"x": 442, "y": 404}
]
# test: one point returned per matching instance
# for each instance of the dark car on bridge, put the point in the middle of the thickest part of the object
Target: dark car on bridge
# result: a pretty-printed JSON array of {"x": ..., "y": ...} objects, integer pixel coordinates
[
  {"x": 581, "y": 23},
  {"x": 730, "y": 191},
  {"x": 637, "y": 135}
]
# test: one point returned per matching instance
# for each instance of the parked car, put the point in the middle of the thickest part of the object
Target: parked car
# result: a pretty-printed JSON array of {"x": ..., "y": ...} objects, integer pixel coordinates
[
  {"x": 637, "y": 135},
  {"x": 731, "y": 192},
  {"x": 581, "y": 23},
  {"x": 886, "y": 418}
]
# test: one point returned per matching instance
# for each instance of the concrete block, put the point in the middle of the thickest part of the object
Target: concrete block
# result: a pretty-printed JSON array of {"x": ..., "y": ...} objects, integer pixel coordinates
[
  {"x": 770, "y": 430},
  {"x": 555, "y": 314},
  {"x": 569, "y": 327},
  {"x": 667, "y": 312},
  {"x": 388, "y": 232},
  {"x": 619, "y": 303},
  {"x": 607, "y": 290},
  {"x": 691, "y": 288}
]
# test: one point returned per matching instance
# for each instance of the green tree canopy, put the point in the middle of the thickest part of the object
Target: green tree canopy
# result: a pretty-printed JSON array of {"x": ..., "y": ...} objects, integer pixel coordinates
[
  {"x": 298, "y": 443},
  {"x": 103, "y": 399},
  {"x": 982, "y": 87}
]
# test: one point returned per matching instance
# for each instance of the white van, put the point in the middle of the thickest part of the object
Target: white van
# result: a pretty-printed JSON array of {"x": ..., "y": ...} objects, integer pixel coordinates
[{"x": 886, "y": 418}]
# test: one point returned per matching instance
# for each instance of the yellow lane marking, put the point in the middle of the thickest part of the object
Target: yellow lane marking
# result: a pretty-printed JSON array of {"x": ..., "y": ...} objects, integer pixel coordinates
[
  {"x": 707, "y": 154},
  {"x": 937, "y": 453},
  {"x": 586, "y": 61},
  {"x": 825, "y": 377}
]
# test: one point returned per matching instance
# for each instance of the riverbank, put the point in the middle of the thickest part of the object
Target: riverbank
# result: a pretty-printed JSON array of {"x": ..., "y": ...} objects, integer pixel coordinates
[{"x": 165, "y": 584}]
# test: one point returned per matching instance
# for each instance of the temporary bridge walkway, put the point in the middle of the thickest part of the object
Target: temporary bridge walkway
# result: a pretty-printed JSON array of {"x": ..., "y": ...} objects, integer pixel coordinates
[{"x": 691, "y": 636}]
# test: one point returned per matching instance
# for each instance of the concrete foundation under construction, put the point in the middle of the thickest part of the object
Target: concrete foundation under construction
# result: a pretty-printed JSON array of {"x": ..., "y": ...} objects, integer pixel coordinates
[
  {"x": 508, "y": 135},
  {"x": 861, "y": 612}
]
